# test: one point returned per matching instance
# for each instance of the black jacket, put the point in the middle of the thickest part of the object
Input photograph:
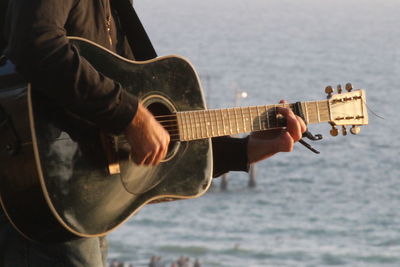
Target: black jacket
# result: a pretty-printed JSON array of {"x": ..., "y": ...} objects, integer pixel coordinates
[{"x": 36, "y": 33}]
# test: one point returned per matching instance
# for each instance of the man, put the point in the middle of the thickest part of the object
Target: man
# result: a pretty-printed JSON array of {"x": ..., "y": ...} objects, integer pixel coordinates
[{"x": 36, "y": 32}]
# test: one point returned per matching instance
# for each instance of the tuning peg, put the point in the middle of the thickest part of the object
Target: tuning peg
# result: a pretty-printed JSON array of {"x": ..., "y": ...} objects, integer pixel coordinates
[
  {"x": 349, "y": 87},
  {"x": 344, "y": 131},
  {"x": 339, "y": 88},
  {"x": 334, "y": 131},
  {"x": 355, "y": 129},
  {"x": 329, "y": 91}
]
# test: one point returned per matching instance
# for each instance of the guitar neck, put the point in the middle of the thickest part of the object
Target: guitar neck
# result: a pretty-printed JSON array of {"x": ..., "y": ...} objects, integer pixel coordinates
[{"x": 199, "y": 124}]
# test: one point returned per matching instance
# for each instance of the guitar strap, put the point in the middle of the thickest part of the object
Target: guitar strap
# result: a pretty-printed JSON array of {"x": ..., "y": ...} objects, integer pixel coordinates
[{"x": 137, "y": 37}]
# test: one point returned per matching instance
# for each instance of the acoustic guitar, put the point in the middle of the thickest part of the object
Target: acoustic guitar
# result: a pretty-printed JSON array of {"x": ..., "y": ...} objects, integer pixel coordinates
[{"x": 62, "y": 178}]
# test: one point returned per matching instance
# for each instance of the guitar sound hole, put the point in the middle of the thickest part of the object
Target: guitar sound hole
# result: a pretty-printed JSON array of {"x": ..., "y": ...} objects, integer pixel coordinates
[{"x": 167, "y": 118}]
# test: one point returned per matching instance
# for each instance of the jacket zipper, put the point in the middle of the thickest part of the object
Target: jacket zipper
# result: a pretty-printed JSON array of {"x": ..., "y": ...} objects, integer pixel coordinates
[{"x": 108, "y": 18}]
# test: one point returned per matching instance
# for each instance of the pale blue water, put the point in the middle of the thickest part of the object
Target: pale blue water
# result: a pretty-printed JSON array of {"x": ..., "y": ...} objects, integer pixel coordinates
[{"x": 341, "y": 207}]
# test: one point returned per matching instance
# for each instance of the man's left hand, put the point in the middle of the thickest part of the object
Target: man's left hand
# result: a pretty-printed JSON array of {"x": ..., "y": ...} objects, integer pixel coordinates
[{"x": 262, "y": 145}]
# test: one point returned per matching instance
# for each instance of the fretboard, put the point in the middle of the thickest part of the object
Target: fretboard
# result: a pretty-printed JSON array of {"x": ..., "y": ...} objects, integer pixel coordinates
[{"x": 199, "y": 124}]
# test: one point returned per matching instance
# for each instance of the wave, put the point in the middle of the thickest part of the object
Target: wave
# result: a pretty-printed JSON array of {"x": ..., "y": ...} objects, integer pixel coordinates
[{"x": 185, "y": 250}]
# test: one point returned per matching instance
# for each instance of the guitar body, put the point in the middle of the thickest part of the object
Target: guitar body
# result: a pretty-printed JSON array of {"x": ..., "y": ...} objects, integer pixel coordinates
[
  {"x": 57, "y": 187},
  {"x": 62, "y": 178}
]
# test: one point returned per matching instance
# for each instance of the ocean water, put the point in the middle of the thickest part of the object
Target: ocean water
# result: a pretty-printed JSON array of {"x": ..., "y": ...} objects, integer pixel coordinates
[{"x": 339, "y": 208}]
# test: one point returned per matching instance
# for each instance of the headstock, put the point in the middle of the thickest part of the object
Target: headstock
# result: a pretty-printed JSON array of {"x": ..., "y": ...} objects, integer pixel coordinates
[{"x": 347, "y": 109}]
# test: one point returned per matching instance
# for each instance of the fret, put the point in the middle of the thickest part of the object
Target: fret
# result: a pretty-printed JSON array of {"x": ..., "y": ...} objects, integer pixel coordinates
[
  {"x": 324, "y": 110},
  {"x": 328, "y": 107},
  {"x": 181, "y": 129},
  {"x": 244, "y": 125},
  {"x": 223, "y": 121},
  {"x": 306, "y": 113},
  {"x": 259, "y": 118},
  {"x": 327, "y": 111},
  {"x": 191, "y": 125},
  {"x": 313, "y": 113},
  {"x": 317, "y": 111},
  {"x": 216, "y": 122},
  {"x": 250, "y": 120},
  {"x": 229, "y": 121},
  {"x": 212, "y": 128},
  {"x": 237, "y": 123},
  {"x": 205, "y": 122},
  {"x": 318, "y": 117},
  {"x": 275, "y": 124},
  {"x": 310, "y": 111},
  {"x": 196, "y": 125},
  {"x": 182, "y": 125},
  {"x": 199, "y": 124},
  {"x": 187, "y": 125},
  {"x": 267, "y": 112}
]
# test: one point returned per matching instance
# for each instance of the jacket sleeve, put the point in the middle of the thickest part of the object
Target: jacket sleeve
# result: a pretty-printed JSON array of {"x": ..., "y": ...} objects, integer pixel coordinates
[
  {"x": 229, "y": 154},
  {"x": 38, "y": 46}
]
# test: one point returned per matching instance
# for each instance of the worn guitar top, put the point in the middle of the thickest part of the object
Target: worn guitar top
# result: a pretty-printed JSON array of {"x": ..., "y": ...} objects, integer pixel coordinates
[{"x": 47, "y": 59}]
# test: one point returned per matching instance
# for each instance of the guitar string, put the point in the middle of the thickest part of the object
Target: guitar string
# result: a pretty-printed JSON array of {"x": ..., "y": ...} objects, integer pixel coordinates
[
  {"x": 167, "y": 123},
  {"x": 170, "y": 122},
  {"x": 228, "y": 109},
  {"x": 173, "y": 129},
  {"x": 174, "y": 123},
  {"x": 245, "y": 110},
  {"x": 175, "y": 135},
  {"x": 373, "y": 112}
]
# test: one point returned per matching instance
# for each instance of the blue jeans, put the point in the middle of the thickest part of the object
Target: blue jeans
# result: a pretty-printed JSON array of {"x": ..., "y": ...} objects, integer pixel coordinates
[{"x": 16, "y": 251}]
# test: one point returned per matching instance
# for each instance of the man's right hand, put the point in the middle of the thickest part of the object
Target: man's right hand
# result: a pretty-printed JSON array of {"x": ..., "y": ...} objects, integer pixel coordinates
[{"x": 147, "y": 138}]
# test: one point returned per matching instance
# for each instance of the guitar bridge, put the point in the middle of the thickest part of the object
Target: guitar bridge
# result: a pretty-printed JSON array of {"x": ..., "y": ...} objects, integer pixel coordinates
[{"x": 111, "y": 153}]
